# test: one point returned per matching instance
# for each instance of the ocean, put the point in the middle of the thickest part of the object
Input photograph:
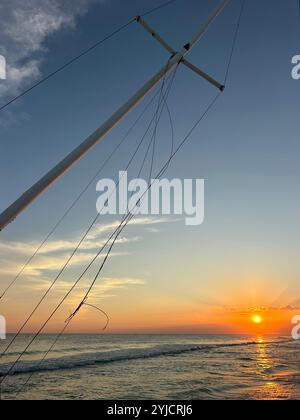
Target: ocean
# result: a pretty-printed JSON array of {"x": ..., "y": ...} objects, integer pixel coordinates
[{"x": 154, "y": 367}]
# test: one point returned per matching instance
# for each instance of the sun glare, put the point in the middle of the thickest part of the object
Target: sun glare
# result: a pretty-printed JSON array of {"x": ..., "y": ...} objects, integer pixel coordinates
[{"x": 257, "y": 319}]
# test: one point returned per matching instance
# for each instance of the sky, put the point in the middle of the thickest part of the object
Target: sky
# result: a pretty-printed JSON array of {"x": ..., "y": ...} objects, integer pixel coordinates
[{"x": 163, "y": 276}]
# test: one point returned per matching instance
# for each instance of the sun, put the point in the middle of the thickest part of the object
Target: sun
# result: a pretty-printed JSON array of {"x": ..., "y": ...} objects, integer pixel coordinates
[{"x": 257, "y": 319}]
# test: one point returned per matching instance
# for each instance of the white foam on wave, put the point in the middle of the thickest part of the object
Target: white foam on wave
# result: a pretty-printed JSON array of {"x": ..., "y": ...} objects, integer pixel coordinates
[{"x": 89, "y": 359}]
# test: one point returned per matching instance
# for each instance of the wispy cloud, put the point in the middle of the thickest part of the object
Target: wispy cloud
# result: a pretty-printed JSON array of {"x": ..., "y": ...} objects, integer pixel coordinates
[
  {"x": 262, "y": 309},
  {"x": 25, "y": 26},
  {"x": 107, "y": 286},
  {"x": 103, "y": 288},
  {"x": 52, "y": 247},
  {"x": 96, "y": 239},
  {"x": 54, "y": 254},
  {"x": 51, "y": 263}
]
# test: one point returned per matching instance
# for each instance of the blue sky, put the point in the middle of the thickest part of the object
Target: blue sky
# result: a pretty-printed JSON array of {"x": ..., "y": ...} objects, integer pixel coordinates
[{"x": 247, "y": 149}]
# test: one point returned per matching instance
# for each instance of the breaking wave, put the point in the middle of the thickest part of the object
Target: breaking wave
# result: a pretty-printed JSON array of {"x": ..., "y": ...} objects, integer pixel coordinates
[{"x": 88, "y": 359}]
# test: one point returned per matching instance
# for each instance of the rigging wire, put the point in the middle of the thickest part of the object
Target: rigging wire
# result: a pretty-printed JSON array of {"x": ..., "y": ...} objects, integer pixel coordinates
[
  {"x": 74, "y": 251},
  {"x": 70, "y": 291},
  {"x": 81, "y": 55},
  {"x": 66, "y": 65},
  {"x": 117, "y": 232},
  {"x": 208, "y": 109},
  {"x": 165, "y": 167},
  {"x": 126, "y": 219},
  {"x": 235, "y": 38},
  {"x": 172, "y": 129},
  {"x": 101, "y": 311},
  {"x": 70, "y": 208},
  {"x": 156, "y": 9},
  {"x": 156, "y": 126},
  {"x": 130, "y": 215}
]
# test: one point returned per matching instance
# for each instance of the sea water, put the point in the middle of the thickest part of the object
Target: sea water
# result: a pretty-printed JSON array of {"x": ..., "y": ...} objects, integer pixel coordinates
[{"x": 169, "y": 367}]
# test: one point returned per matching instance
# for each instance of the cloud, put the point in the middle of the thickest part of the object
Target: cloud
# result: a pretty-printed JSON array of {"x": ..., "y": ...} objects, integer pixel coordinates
[
  {"x": 55, "y": 253},
  {"x": 50, "y": 263},
  {"x": 262, "y": 309},
  {"x": 25, "y": 26},
  {"x": 109, "y": 284},
  {"x": 106, "y": 287},
  {"x": 94, "y": 240},
  {"x": 52, "y": 247}
]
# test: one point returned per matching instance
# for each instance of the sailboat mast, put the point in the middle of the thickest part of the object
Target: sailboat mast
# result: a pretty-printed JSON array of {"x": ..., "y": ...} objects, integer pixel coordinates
[{"x": 62, "y": 167}]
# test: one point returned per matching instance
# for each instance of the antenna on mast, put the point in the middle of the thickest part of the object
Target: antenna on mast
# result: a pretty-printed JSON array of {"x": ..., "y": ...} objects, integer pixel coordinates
[{"x": 171, "y": 50}]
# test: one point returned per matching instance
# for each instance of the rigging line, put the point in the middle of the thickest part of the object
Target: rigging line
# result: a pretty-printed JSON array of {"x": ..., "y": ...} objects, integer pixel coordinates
[
  {"x": 77, "y": 199},
  {"x": 171, "y": 125},
  {"x": 101, "y": 311},
  {"x": 168, "y": 3},
  {"x": 186, "y": 138},
  {"x": 73, "y": 253},
  {"x": 50, "y": 288},
  {"x": 120, "y": 228},
  {"x": 153, "y": 141},
  {"x": 53, "y": 230},
  {"x": 10, "y": 370},
  {"x": 42, "y": 360},
  {"x": 153, "y": 150},
  {"x": 165, "y": 100},
  {"x": 127, "y": 217},
  {"x": 235, "y": 38},
  {"x": 161, "y": 101},
  {"x": 67, "y": 323},
  {"x": 83, "y": 302},
  {"x": 73, "y": 287},
  {"x": 180, "y": 146},
  {"x": 54, "y": 344},
  {"x": 208, "y": 109},
  {"x": 66, "y": 65},
  {"x": 57, "y": 338},
  {"x": 130, "y": 216},
  {"x": 81, "y": 55}
]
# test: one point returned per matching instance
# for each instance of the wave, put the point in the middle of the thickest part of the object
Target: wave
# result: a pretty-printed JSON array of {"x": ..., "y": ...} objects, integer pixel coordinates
[{"x": 88, "y": 359}]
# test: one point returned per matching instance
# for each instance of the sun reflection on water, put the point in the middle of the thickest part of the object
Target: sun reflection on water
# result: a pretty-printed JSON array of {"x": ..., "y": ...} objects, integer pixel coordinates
[
  {"x": 270, "y": 388},
  {"x": 263, "y": 361}
]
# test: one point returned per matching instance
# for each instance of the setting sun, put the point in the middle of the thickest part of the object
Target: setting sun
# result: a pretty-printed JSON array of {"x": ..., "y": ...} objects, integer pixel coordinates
[{"x": 257, "y": 319}]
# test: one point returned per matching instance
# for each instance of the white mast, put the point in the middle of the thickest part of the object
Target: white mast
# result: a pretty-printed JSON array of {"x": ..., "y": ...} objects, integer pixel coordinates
[{"x": 177, "y": 57}]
